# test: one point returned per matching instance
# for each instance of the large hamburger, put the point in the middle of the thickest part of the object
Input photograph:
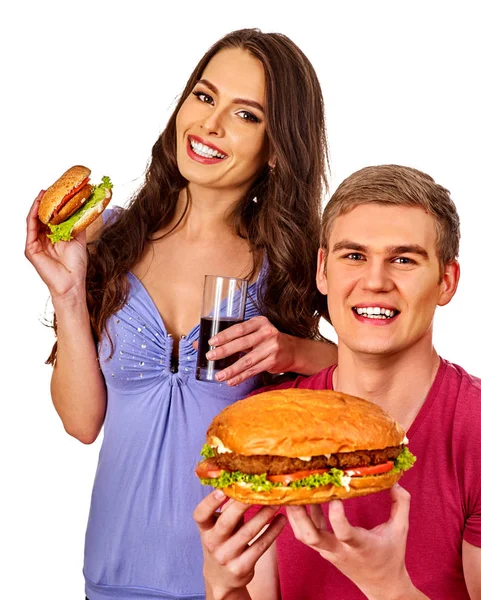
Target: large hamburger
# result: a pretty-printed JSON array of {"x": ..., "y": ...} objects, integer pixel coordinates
[
  {"x": 300, "y": 446},
  {"x": 71, "y": 203}
]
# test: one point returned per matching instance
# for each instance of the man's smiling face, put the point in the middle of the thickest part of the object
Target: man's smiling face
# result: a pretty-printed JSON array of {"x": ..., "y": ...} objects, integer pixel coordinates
[{"x": 382, "y": 278}]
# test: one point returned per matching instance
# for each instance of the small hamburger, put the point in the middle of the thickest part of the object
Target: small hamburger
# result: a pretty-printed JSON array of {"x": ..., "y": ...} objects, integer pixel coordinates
[
  {"x": 71, "y": 203},
  {"x": 300, "y": 446}
]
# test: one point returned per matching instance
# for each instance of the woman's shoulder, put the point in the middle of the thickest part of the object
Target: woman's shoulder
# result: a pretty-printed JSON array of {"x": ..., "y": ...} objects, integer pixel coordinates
[{"x": 109, "y": 215}]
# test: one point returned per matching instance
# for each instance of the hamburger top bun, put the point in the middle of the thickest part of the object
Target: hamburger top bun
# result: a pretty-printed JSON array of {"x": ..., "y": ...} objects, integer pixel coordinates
[
  {"x": 58, "y": 190},
  {"x": 358, "y": 486},
  {"x": 301, "y": 423}
]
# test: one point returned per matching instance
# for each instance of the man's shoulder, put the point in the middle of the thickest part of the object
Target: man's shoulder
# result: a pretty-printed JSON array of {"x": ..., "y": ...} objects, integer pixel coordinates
[
  {"x": 318, "y": 381},
  {"x": 467, "y": 384}
]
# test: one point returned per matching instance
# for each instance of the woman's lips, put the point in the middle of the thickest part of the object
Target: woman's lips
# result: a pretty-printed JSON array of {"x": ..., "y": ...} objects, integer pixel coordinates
[{"x": 201, "y": 159}]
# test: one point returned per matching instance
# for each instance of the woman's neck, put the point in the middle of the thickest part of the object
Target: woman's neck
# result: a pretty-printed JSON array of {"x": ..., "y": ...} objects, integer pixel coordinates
[{"x": 207, "y": 213}]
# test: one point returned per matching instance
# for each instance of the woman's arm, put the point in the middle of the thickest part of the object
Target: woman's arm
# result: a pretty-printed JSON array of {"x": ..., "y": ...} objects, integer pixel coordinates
[
  {"x": 267, "y": 349},
  {"x": 78, "y": 389},
  {"x": 77, "y": 386}
]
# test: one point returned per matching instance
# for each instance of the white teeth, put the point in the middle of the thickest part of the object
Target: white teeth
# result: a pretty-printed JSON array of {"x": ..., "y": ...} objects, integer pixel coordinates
[
  {"x": 205, "y": 151},
  {"x": 375, "y": 312}
]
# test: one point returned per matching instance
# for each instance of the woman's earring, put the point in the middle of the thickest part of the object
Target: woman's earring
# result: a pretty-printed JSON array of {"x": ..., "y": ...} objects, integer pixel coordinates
[
  {"x": 272, "y": 169},
  {"x": 254, "y": 199}
]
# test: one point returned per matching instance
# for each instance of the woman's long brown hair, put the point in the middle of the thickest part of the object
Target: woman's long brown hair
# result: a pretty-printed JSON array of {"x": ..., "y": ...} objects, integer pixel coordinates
[{"x": 283, "y": 224}]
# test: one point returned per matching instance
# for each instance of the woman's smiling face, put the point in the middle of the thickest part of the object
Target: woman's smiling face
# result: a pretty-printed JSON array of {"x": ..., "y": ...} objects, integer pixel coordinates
[{"x": 221, "y": 129}]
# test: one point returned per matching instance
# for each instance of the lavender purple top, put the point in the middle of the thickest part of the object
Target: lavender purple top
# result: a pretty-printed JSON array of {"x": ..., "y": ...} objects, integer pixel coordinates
[{"x": 141, "y": 540}]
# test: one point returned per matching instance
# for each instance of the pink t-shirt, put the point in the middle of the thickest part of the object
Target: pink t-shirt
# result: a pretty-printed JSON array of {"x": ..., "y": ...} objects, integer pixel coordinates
[{"x": 445, "y": 488}]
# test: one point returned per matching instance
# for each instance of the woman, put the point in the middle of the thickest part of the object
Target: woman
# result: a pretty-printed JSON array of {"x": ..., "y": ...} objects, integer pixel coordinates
[{"x": 233, "y": 188}]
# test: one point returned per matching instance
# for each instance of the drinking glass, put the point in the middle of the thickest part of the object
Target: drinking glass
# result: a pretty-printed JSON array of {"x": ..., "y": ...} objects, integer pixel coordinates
[{"x": 223, "y": 305}]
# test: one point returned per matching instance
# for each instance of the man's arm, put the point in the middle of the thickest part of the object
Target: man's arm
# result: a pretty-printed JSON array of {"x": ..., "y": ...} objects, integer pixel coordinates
[{"x": 472, "y": 570}]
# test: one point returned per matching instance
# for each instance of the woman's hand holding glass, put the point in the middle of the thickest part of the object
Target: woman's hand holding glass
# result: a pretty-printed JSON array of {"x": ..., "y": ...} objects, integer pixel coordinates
[{"x": 265, "y": 348}]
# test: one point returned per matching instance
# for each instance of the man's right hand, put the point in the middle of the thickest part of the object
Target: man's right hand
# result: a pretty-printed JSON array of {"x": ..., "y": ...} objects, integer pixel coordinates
[{"x": 229, "y": 555}]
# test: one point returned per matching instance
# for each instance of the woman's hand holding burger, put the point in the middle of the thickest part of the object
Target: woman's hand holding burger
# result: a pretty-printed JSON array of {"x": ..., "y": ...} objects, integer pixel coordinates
[
  {"x": 61, "y": 266},
  {"x": 56, "y": 224}
]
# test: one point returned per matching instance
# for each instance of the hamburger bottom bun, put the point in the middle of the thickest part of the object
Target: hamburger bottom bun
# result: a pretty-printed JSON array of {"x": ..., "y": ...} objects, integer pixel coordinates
[
  {"x": 359, "y": 486},
  {"x": 92, "y": 214},
  {"x": 54, "y": 195}
]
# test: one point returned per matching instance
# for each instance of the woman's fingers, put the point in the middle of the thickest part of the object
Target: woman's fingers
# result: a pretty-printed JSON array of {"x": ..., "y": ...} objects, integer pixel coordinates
[
  {"x": 237, "y": 373},
  {"x": 33, "y": 222}
]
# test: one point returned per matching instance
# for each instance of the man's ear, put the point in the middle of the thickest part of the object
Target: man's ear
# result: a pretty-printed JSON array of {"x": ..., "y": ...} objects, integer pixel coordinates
[
  {"x": 321, "y": 278},
  {"x": 449, "y": 282}
]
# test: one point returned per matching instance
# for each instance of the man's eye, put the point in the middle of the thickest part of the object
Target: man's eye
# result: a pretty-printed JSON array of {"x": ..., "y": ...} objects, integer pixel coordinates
[
  {"x": 203, "y": 97},
  {"x": 354, "y": 256},
  {"x": 245, "y": 115},
  {"x": 403, "y": 260}
]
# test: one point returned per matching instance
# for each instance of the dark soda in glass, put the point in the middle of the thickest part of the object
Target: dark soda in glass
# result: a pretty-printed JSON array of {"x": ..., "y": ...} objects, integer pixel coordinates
[{"x": 209, "y": 326}]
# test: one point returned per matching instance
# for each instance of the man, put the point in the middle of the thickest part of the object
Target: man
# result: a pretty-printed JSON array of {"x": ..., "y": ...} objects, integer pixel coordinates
[{"x": 390, "y": 240}]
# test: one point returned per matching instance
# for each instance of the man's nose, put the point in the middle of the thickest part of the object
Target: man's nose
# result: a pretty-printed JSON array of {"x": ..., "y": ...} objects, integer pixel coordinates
[{"x": 377, "y": 276}]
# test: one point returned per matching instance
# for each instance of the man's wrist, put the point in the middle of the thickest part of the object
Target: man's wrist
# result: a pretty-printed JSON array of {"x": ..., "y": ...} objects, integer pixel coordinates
[
  {"x": 403, "y": 590},
  {"x": 217, "y": 594}
]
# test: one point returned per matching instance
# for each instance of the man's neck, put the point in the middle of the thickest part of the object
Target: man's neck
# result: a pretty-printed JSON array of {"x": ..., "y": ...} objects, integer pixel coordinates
[{"x": 398, "y": 383}]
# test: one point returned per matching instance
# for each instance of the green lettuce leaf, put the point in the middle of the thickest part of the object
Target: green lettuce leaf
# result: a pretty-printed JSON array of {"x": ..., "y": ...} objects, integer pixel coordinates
[
  {"x": 404, "y": 461},
  {"x": 260, "y": 483},
  {"x": 63, "y": 231},
  {"x": 207, "y": 451}
]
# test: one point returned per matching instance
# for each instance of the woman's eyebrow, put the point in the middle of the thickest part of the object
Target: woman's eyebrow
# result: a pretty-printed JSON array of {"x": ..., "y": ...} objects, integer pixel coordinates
[{"x": 245, "y": 101}]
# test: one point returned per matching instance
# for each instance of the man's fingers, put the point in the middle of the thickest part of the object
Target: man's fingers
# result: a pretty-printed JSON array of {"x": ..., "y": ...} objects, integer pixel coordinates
[
  {"x": 341, "y": 527},
  {"x": 234, "y": 545},
  {"x": 306, "y": 531},
  {"x": 204, "y": 513},
  {"x": 401, "y": 500},
  {"x": 264, "y": 541},
  {"x": 317, "y": 516}
]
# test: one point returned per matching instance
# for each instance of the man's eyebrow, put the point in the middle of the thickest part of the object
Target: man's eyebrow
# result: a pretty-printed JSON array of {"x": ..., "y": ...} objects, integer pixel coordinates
[
  {"x": 409, "y": 249},
  {"x": 244, "y": 101},
  {"x": 348, "y": 245},
  {"x": 392, "y": 250}
]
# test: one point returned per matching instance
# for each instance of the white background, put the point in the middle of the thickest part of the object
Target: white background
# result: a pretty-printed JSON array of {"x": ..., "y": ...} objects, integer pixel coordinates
[{"x": 94, "y": 83}]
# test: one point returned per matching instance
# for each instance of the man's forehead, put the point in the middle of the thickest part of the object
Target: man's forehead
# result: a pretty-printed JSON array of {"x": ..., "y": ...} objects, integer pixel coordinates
[{"x": 385, "y": 226}]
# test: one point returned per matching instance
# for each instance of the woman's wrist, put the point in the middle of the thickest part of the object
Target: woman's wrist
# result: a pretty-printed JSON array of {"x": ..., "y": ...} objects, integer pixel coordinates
[
  {"x": 73, "y": 300},
  {"x": 311, "y": 356}
]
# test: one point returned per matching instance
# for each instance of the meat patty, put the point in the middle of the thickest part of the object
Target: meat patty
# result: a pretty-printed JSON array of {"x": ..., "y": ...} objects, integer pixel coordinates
[{"x": 279, "y": 465}]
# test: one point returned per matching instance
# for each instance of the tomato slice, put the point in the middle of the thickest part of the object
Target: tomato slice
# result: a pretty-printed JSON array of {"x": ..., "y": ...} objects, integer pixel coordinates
[
  {"x": 372, "y": 470},
  {"x": 288, "y": 477},
  {"x": 208, "y": 469},
  {"x": 71, "y": 194}
]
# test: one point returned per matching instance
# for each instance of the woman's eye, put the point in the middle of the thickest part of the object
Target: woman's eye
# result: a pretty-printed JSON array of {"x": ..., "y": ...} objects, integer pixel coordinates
[
  {"x": 203, "y": 97},
  {"x": 245, "y": 115}
]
